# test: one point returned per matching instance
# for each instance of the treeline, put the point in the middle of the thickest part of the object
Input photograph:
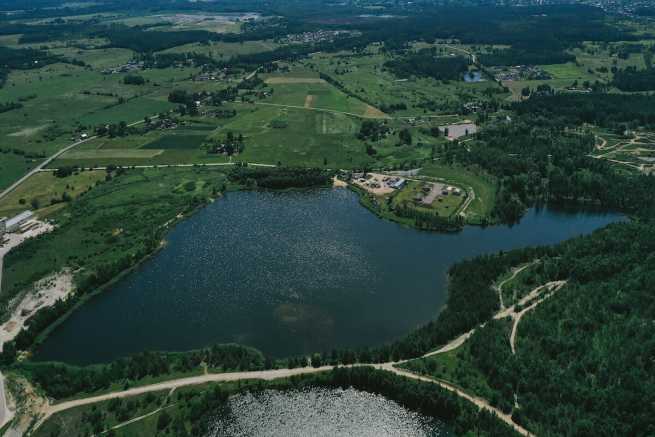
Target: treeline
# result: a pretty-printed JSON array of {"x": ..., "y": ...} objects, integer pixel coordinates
[
  {"x": 428, "y": 220},
  {"x": 60, "y": 380},
  {"x": 22, "y": 59},
  {"x": 426, "y": 398},
  {"x": 605, "y": 110},
  {"x": 279, "y": 177},
  {"x": 144, "y": 39},
  {"x": 631, "y": 79},
  {"x": 517, "y": 56},
  {"x": 9, "y": 106},
  {"x": 425, "y": 63},
  {"x": 469, "y": 281}
]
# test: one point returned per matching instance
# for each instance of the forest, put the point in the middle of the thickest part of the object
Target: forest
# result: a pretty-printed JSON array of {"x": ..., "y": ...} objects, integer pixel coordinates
[
  {"x": 425, "y": 63},
  {"x": 576, "y": 372},
  {"x": 605, "y": 110},
  {"x": 631, "y": 79},
  {"x": 279, "y": 178},
  {"x": 536, "y": 159},
  {"x": 517, "y": 56},
  {"x": 62, "y": 380}
]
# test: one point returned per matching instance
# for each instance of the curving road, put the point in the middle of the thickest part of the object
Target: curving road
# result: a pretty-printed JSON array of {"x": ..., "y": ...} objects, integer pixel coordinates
[{"x": 56, "y": 155}]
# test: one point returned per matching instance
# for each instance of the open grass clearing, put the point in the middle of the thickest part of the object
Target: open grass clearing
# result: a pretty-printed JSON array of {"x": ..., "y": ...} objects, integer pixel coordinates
[
  {"x": 443, "y": 205},
  {"x": 112, "y": 153},
  {"x": 45, "y": 186},
  {"x": 483, "y": 186}
]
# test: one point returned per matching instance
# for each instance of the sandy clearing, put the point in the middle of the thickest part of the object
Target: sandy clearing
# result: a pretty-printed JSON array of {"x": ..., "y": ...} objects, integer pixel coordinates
[
  {"x": 30, "y": 229},
  {"x": 309, "y": 100},
  {"x": 373, "y": 112},
  {"x": 338, "y": 183},
  {"x": 46, "y": 293},
  {"x": 375, "y": 184},
  {"x": 292, "y": 80},
  {"x": 28, "y": 131},
  {"x": 112, "y": 153}
]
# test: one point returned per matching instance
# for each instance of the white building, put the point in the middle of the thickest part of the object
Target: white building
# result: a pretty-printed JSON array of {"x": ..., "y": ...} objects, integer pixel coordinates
[{"x": 14, "y": 223}]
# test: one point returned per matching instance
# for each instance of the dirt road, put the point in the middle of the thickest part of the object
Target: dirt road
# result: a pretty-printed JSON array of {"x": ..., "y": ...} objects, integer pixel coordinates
[{"x": 536, "y": 293}]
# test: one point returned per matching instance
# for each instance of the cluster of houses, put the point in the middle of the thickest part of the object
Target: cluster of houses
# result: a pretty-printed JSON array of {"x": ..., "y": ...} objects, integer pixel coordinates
[
  {"x": 9, "y": 225},
  {"x": 378, "y": 183},
  {"x": 315, "y": 37},
  {"x": 211, "y": 75},
  {"x": 125, "y": 68},
  {"x": 520, "y": 72},
  {"x": 455, "y": 131}
]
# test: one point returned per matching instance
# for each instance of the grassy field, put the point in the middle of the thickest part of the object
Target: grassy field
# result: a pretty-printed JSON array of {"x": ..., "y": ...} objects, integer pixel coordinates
[
  {"x": 57, "y": 99},
  {"x": 455, "y": 367},
  {"x": 364, "y": 75},
  {"x": 313, "y": 93},
  {"x": 445, "y": 206},
  {"x": 12, "y": 167},
  {"x": 225, "y": 50},
  {"x": 42, "y": 188},
  {"x": 483, "y": 186}
]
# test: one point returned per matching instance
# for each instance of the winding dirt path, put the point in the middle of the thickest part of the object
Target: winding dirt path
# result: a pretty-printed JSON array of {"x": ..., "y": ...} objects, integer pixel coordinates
[
  {"x": 538, "y": 294},
  {"x": 269, "y": 375},
  {"x": 550, "y": 288}
]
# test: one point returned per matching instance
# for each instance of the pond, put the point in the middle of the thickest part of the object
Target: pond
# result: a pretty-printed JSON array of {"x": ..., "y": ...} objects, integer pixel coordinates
[
  {"x": 321, "y": 412},
  {"x": 289, "y": 273},
  {"x": 473, "y": 76}
]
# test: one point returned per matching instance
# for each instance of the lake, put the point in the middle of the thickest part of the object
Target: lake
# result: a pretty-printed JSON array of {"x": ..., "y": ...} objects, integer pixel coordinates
[
  {"x": 289, "y": 273},
  {"x": 321, "y": 412}
]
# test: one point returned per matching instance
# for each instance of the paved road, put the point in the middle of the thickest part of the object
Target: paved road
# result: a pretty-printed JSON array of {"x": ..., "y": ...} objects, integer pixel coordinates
[
  {"x": 56, "y": 155},
  {"x": 5, "y": 414},
  {"x": 43, "y": 164}
]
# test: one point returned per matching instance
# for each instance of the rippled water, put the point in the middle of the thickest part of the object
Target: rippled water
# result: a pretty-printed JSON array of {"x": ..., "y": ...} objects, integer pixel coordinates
[
  {"x": 321, "y": 412},
  {"x": 289, "y": 273}
]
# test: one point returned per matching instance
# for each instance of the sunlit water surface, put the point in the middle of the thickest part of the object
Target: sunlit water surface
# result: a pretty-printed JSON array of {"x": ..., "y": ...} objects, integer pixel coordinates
[
  {"x": 289, "y": 273},
  {"x": 321, "y": 412}
]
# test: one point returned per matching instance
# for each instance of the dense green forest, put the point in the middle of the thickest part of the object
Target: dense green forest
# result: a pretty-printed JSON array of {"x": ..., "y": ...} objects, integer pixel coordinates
[
  {"x": 519, "y": 56},
  {"x": 584, "y": 361},
  {"x": 535, "y": 158},
  {"x": 62, "y": 380},
  {"x": 279, "y": 178},
  {"x": 631, "y": 79},
  {"x": 605, "y": 110},
  {"x": 425, "y": 63}
]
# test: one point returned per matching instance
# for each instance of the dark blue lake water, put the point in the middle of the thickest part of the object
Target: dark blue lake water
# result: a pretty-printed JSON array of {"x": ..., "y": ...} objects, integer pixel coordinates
[{"x": 289, "y": 273}]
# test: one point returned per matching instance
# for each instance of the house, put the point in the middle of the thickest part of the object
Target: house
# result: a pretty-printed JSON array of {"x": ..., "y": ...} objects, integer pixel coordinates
[
  {"x": 14, "y": 223},
  {"x": 397, "y": 184}
]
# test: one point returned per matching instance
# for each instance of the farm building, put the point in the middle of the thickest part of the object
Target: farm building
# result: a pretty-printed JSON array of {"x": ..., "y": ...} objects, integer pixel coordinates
[
  {"x": 454, "y": 131},
  {"x": 12, "y": 224},
  {"x": 397, "y": 184}
]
